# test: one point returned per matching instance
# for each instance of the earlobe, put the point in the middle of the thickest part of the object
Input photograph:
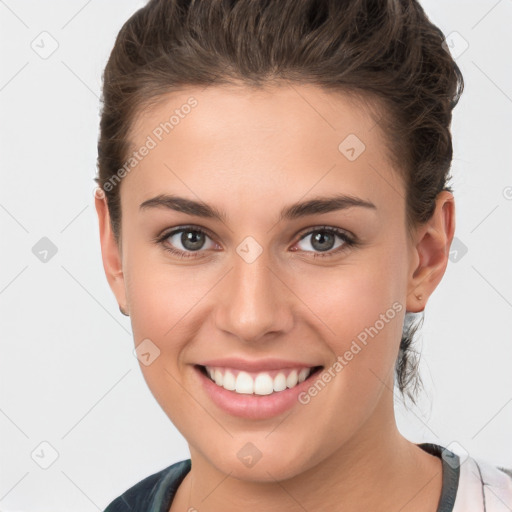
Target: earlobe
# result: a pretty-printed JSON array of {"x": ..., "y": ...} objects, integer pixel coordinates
[
  {"x": 431, "y": 252},
  {"x": 110, "y": 250}
]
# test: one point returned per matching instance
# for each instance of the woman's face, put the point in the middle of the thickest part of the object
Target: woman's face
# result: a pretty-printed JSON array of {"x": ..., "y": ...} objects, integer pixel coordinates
[{"x": 270, "y": 284}]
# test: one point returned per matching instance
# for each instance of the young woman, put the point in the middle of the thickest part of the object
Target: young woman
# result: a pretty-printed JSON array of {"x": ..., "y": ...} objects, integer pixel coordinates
[{"x": 273, "y": 206}]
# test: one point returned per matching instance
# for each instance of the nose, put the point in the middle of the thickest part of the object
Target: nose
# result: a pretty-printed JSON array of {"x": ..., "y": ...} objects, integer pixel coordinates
[{"x": 254, "y": 302}]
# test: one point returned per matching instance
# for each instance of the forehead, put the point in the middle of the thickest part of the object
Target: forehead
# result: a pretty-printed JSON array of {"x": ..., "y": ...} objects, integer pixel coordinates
[{"x": 241, "y": 145}]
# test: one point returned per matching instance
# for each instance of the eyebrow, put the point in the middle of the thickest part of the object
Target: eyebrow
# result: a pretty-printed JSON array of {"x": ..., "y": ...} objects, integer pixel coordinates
[{"x": 295, "y": 211}]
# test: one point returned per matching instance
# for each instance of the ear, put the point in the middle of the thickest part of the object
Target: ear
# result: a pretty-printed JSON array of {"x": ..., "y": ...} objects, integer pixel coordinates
[
  {"x": 110, "y": 251},
  {"x": 431, "y": 252}
]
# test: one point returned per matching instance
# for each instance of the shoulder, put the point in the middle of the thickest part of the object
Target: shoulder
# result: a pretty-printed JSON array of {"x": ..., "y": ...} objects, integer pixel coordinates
[
  {"x": 471, "y": 485},
  {"x": 483, "y": 487},
  {"x": 152, "y": 491}
]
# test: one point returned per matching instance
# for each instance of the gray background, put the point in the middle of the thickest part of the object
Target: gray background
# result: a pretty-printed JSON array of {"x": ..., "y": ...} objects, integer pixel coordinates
[{"x": 68, "y": 376}]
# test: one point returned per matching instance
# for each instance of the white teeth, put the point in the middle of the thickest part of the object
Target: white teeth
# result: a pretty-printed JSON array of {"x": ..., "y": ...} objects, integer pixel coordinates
[
  {"x": 263, "y": 384},
  {"x": 218, "y": 377},
  {"x": 303, "y": 374},
  {"x": 244, "y": 384},
  {"x": 229, "y": 381},
  {"x": 259, "y": 384},
  {"x": 279, "y": 382},
  {"x": 292, "y": 379}
]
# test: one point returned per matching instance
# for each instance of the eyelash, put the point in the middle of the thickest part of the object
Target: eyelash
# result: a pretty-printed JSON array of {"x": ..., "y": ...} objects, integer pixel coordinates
[{"x": 348, "y": 241}]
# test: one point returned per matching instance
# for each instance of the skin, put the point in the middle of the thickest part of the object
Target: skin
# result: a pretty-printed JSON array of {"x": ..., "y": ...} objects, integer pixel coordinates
[{"x": 250, "y": 153}]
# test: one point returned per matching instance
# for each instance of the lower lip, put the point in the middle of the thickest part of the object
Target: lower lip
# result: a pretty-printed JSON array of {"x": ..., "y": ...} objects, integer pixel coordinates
[{"x": 254, "y": 407}]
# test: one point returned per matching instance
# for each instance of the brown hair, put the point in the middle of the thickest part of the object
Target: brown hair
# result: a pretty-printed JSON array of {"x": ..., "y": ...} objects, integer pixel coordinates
[{"x": 386, "y": 53}]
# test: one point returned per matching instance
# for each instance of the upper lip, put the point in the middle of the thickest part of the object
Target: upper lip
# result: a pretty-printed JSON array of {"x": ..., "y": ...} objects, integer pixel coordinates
[{"x": 255, "y": 365}]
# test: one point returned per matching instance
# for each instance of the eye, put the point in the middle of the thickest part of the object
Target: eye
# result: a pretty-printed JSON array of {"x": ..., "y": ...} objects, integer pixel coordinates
[
  {"x": 191, "y": 239},
  {"x": 324, "y": 239}
]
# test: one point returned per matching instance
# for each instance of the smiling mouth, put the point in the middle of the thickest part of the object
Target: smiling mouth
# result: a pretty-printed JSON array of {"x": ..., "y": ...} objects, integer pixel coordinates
[{"x": 258, "y": 383}]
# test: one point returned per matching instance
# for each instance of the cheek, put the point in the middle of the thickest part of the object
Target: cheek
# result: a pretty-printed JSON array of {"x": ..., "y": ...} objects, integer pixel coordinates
[
  {"x": 359, "y": 311},
  {"x": 161, "y": 296},
  {"x": 160, "y": 300}
]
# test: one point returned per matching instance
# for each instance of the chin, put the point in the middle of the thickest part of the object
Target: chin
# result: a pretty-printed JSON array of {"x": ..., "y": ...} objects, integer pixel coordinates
[{"x": 269, "y": 465}]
